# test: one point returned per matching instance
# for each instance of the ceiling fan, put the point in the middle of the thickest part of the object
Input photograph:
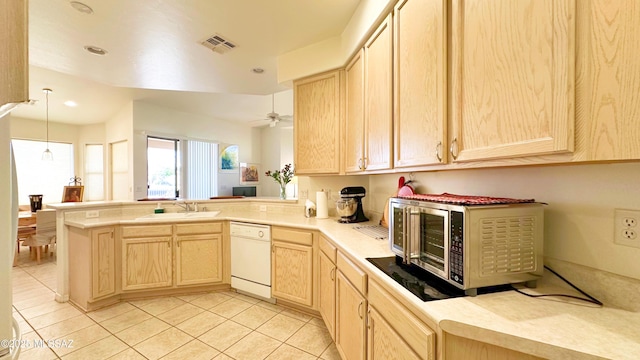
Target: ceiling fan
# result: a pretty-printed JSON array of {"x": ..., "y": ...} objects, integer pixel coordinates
[{"x": 273, "y": 118}]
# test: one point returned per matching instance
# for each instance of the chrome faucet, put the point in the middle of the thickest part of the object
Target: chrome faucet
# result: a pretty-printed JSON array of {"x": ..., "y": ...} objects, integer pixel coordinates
[
  {"x": 186, "y": 207},
  {"x": 183, "y": 205}
]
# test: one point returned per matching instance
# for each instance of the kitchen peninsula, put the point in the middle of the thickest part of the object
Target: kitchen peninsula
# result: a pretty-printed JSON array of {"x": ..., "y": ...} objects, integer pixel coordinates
[{"x": 500, "y": 324}]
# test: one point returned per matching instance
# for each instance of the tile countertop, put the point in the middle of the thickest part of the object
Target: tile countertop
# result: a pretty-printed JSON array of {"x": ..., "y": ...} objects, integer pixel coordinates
[{"x": 552, "y": 327}]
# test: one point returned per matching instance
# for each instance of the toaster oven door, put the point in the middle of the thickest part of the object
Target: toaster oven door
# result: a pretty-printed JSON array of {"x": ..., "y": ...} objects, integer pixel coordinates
[{"x": 430, "y": 228}]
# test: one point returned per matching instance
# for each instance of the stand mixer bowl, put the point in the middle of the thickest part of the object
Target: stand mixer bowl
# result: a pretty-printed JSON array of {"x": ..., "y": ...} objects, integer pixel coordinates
[{"x": 346, "y": 207}]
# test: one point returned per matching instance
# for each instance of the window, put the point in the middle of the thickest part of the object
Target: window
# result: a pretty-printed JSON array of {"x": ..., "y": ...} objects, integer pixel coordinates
[
  {"x": 201, "y": 167},
  {"x": 36, "y": 176},
  {"x": 162, "y": 168},
  {"x": 93, "y": 172}
]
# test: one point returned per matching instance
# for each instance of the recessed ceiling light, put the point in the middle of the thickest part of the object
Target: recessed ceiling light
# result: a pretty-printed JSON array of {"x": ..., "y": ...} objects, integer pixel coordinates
[
  {"x": 83, "y": 8},
  {"x": 95, "y": 50},
  {"x": 257, "y": 70},
  {"x": 70, "y": 103}
]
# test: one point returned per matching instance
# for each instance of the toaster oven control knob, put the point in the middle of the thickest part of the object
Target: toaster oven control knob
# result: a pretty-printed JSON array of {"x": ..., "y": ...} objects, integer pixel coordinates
[{"x": 455, "y": 277}]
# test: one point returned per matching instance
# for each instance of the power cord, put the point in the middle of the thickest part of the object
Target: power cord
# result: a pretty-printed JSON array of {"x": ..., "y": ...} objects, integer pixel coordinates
[{"x": 590, "y": 299}]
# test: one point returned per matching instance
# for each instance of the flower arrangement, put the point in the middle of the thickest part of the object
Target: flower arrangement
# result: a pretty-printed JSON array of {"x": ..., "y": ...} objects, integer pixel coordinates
[{"x": 282, "y": 177}]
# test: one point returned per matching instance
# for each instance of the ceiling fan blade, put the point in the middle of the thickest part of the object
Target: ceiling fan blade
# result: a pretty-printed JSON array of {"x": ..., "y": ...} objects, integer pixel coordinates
[{"x": 259, "y": 123}]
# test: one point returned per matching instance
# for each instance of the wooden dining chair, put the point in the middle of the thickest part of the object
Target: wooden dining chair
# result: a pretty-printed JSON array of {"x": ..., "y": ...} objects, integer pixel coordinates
[{"x": 45, "y": 235}]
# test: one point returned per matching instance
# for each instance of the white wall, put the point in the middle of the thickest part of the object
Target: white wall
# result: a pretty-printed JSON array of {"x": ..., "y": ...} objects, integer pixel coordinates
[
  {"x": 334, "y": 52},
  {"x": 119, "y": 129},
  {"x": 578, "y": 218},
  {"x": 277, "y": 146},
  {"x": 154, "y": 120}
]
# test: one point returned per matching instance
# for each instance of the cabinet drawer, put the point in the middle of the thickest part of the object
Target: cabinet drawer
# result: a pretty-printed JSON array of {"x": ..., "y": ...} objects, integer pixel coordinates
[
  {"x": 293, "y": 236},
  {"x": 418, "y": 335},
  {"x": 199, "y": 228},
  {"x": 146, "y": 231},
  {"x": 328, "y": 249},
  {"x": 357, "y": 277}
]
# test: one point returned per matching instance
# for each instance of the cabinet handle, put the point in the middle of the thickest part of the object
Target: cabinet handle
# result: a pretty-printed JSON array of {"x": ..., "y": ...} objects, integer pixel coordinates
[
  {"x": 332, "y": 274},
  {"x": 454, "y": 143},
  {"x": 360, "y": 164},
  {"x": 369, "y": 318},
  {"x": 360, "y": 307},
  {"x": 364, "y": 164},
  {"x": 439, "y": 151}
]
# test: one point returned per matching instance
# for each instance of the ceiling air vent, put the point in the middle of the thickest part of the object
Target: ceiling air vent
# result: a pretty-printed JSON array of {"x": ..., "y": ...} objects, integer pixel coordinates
[{"x": 219, "y": 44}]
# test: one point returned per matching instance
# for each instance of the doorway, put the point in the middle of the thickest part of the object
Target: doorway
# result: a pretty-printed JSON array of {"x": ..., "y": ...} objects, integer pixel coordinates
[{"x": 163, "y": 168}]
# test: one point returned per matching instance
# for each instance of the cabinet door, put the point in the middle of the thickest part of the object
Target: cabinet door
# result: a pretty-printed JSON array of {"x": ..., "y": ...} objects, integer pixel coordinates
[
  {"x": 14, "y": 59},
  {"x": 607, "y": 86},
  {"x": 327, "y": 295},
  {"x": 146, "y": 263},
  {"x": 350, "y": 320},
  {"x": 513, "y": 78},
  {"x": 384, "y": 343},
  {"x": 354, "y": 129},
  {"x": 292, "y": 272},
  {"x": 378, "y": 94},
  {"x": 420, "y": 79},
  {"x": 198, "y": 259},
  {"x": 103, "y": 262},
  {"x": 317, "y": 124}
]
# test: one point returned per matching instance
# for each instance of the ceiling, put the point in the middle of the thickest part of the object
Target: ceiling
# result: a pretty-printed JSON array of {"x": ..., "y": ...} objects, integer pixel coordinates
[{"x": 154, "y": 55}]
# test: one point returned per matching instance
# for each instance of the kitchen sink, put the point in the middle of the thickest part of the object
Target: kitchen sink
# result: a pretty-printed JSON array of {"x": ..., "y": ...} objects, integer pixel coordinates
[{"x": 180, "y": 215}]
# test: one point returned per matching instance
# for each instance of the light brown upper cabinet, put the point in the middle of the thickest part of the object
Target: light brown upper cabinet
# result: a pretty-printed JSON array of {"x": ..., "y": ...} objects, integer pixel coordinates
[
  {"x": 608, "y": 79},
  {"x": 420, "y": 78},
  {"x": 14, "y": 64},
  {"x": 369, "y": 120},
  {"x": 318, "y": 114},
  {"x": 354, "y": 129},
  {"x": 378, "y": 116},
  {"x": 512, "y": 69}
]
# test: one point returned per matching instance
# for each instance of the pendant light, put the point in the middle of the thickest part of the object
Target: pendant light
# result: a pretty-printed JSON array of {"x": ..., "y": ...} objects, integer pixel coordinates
[{"x": 47, "y": 155}]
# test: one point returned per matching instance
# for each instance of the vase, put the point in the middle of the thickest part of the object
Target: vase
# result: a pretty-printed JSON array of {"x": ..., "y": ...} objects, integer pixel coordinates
[{"x": 283, "y": 191}]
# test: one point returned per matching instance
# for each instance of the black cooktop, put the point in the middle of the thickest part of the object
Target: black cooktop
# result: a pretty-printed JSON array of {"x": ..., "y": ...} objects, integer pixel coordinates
[{"x": 420, "y": 282}]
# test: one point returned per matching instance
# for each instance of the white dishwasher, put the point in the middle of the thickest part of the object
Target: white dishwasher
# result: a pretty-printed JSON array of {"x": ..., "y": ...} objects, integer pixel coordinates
[{"x": 251, "y": 259}]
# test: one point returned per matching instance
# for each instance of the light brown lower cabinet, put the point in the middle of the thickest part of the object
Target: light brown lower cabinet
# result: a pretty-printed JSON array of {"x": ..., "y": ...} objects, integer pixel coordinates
[
  {"x": 103, "y": 262},
  {"x": 351, "y": 309},
  {"x": 147, "y": 257},
  {"x": 327, "y": 292},
  {"x": 459, "y": 348},
  {"x": 384, "y": 343},
  {"x": 395, "y": 332},
  {"x": 92, "y": 265},
  {"x": 292, "y": 265},
  {"x": 199, "y": 253}
]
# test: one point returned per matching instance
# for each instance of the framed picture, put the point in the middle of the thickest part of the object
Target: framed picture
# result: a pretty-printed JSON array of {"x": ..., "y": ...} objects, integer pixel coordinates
[
  {"x": 72, "y": 193},
  {"x": 249, "y": 174},
  {"x": 229, "y": 158}
]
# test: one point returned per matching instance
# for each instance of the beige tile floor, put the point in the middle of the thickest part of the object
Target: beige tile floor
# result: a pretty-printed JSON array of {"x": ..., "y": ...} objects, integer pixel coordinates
[{"x": 216, "y": 325}]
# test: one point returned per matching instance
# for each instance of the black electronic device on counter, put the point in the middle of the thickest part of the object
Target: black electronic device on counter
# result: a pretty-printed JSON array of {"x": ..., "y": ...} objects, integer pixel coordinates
[{"x": 350, "y": 197}]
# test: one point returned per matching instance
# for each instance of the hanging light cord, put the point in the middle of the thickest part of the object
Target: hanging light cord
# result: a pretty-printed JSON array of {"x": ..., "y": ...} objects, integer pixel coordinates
[{"x": 47, "y": 91}]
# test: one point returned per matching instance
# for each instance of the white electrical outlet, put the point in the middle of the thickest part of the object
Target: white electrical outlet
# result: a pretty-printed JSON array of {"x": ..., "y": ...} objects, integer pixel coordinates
[
  {"x": 92, "y": 214},
  {"x": 263, "y": 207},
  {"x": 304, "y": 194},
  {"x": 626, "y": 227}
]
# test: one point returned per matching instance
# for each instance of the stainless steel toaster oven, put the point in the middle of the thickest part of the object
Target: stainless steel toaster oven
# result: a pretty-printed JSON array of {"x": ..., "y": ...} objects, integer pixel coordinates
[{"x": 470, "y": 246}]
